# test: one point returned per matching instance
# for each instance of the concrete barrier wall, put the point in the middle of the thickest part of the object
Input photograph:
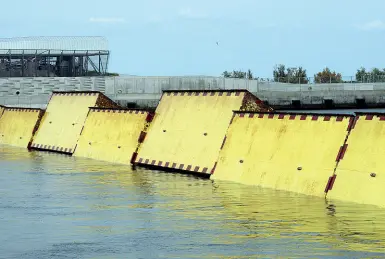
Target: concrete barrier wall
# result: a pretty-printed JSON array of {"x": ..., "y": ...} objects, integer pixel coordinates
[
  {"x": 146, "y": 90},
  {"x": 112, "y": 134},
  {"x": 282, "y": 151},
  {"x": 360, "y": 172},
  {"x": 189, "y": 127},
  {"x": 18, "y": 126},
  {"x": 64, "y": 119}
]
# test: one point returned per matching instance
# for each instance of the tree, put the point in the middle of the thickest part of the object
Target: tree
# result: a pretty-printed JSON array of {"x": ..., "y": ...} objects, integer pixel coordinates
[
  {"x": 375, "y": 75},
  {"x": 238, "y": 74},
  {"x": 249, "y": 74},
  {"x": 293, "y": 75},
  {"x": 227, "y": 74},
  {"x": 279, "y": 73},
  {"x": 327, "y": 76}
]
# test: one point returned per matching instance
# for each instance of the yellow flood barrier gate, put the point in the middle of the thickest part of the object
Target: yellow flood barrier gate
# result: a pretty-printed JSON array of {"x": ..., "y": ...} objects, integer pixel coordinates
[
  {"x": 18, "y": 126},
  {"x": 361, "y": 168},
  {"x": 189, "y": 126},
  {"x": 290, "y": 152},
  {"x": 112, "y": 135},
  {"x": 64, "y": 119}
]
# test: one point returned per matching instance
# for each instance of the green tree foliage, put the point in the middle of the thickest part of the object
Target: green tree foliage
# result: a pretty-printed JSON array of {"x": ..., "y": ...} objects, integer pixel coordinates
[
  {"x": 375, "y": 75},
  {"x": 238, "y": 74},
  {"x": 293, "y": 75},
  {"x": 327, "y": 76}
]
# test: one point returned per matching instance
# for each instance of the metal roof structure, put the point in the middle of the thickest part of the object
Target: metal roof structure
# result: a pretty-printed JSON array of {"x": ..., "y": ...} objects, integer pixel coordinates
[
  {"x": 90, "y": 43},
  {"x": 54, "y": 56}
]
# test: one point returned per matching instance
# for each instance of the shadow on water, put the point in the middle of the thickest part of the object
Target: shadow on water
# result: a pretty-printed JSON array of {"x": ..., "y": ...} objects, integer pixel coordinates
[{"x": 56, "y": 206}]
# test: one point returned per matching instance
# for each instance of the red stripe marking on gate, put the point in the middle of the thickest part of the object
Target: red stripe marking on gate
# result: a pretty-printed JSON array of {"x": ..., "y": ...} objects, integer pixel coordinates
[
  {"x": 332, "y": 182},
  {"x": 327, "y": 187},
  {"x": 133, "y": 157},
  {"x": 223, "y": 142},
  {"x": 339, "y": 154},
  {"x": 213, "y": 169},
  {"x": 345, "y": 146}
]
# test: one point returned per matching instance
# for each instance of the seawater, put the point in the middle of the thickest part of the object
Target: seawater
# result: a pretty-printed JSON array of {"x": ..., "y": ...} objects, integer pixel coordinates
[{"x": 56, "y": 206}]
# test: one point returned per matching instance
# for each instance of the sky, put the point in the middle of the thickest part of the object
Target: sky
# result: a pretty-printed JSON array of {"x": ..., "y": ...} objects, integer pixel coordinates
[{"x": 176, "y": 38}]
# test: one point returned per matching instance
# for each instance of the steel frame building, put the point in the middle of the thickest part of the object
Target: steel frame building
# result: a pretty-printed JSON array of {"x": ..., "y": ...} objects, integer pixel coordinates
[{"x": 54, "y": 57}]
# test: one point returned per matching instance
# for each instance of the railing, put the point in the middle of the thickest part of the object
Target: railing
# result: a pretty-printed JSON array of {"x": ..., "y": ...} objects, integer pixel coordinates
[{"x": 325, "y": 80}]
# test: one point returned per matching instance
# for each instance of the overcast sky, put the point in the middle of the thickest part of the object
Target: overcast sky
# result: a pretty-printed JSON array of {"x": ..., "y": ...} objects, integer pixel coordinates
[{"x": 171, "y": 37}]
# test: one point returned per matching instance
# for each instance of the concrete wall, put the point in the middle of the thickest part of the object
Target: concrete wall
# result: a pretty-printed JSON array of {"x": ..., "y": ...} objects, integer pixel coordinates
[{"x": 34, "y": 92}]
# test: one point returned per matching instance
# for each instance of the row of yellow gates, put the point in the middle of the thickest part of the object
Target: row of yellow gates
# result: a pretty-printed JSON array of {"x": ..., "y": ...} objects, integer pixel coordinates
[{"x": 227, "y": 135}]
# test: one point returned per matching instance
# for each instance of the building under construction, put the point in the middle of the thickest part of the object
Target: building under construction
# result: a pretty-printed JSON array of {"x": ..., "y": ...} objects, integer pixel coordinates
[{"x": 53, "y": 57}]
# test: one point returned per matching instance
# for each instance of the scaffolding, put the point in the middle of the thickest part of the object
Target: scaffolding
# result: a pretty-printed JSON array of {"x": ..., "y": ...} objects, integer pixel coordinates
[{"x": 54, "y": 57}]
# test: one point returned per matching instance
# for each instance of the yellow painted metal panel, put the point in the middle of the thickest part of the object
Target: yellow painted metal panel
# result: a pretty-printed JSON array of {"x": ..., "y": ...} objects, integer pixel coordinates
[
  {"x": 17, "y": 126},
  {"x": 64, "y": 119},
  {"x": 111, "y": 135},
  {"x": 286, "y": 152},
  {"x": 363, "y": 158},
  {"x": 188, "y": 130}
]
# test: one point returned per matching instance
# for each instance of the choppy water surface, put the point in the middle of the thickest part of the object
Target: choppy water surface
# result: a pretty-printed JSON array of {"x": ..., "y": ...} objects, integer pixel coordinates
[{"x": 55, "y": 206}]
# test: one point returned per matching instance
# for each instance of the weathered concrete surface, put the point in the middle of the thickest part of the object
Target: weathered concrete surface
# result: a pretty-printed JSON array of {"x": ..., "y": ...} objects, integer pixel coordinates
[{"x": 146, "y": 91}]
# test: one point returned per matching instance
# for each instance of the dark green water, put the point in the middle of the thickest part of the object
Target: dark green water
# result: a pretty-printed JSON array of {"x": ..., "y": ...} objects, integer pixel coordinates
[{"x": 55, "y": 206}]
